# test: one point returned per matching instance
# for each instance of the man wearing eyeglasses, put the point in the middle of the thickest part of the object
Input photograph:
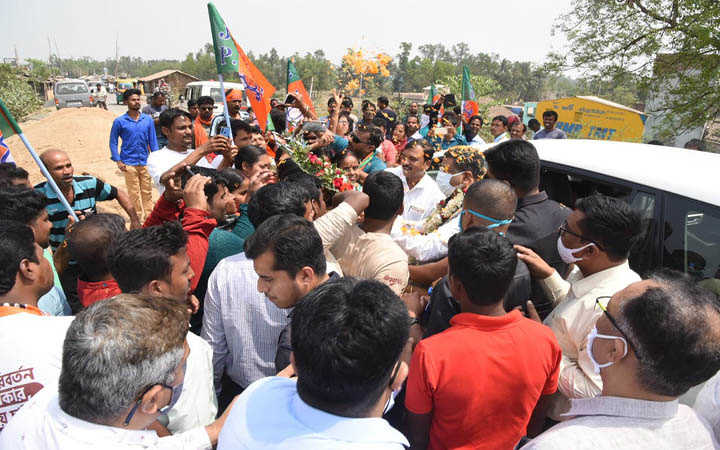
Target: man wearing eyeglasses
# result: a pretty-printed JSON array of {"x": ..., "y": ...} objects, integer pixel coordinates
[
  {"x": 652, "y": 342},
  {"x": 596, "y": 237}
]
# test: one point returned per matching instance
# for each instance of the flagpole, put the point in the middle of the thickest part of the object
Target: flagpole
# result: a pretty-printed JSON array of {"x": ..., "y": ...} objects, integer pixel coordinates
[
  {"x": 47, "y": 175},
  {"x": 222, "y": 89}
]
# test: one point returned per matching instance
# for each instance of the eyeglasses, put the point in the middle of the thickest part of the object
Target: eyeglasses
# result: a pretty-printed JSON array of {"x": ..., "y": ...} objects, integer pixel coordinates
[
  {"x": 565, "y": 229},
  {"x": 613, "y": 321}
]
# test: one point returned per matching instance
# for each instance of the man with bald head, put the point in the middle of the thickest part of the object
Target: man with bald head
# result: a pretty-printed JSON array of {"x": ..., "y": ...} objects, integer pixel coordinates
[
  {"x": 81, "y": 192},
  {"x": 654, "y": 340},
  {"x": 488, "y": 204}
]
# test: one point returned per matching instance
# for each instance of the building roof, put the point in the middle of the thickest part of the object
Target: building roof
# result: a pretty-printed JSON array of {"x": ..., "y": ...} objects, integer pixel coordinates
[{"x": 165, "y": 73}]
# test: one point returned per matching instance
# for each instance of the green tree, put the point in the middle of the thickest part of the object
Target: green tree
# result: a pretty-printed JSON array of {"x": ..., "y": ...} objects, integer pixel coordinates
[
  {"x": 16, "y": 93},
  {"x": 671, "y": 46}
]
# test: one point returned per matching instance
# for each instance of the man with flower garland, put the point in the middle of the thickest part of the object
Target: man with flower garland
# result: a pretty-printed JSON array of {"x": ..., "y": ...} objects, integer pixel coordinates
[{"x": 461, "y": 167}]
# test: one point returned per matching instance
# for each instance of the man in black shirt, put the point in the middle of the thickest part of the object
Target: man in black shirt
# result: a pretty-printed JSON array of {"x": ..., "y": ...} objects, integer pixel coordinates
[{"x": 537, "y": 218}]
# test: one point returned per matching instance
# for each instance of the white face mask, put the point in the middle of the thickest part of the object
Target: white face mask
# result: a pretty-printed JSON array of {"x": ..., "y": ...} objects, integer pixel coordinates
[
  {"x": 566, "y": 254},
  {"x": 591, "y": 338},
  {"x": 443, "y": 180}
]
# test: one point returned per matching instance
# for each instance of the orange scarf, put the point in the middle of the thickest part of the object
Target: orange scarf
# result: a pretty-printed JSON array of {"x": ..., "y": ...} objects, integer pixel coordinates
[{"x": 201, "y": 136}]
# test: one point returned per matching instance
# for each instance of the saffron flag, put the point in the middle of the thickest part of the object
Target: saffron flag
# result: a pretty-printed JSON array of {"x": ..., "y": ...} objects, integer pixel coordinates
[
  {"x": 230, "y": 58},
  {"x": 296, "y": 87},
  {"x": 257, "y": 88},
  {"x": 469, "y": 105},
  {"x": 8, "y": 127}
]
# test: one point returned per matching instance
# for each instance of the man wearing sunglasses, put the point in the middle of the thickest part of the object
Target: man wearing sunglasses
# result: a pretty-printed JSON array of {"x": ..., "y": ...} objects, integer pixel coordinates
[
  {"x": 201, "y": 124},
  {"x": 596, "y": 237},
  {"x": 123, "y": 365},
  {"x": 652, "y": 342}
]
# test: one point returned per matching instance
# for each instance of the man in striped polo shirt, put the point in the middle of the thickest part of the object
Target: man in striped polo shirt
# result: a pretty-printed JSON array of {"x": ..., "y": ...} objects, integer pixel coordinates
[{"x": 81, "y": 192}]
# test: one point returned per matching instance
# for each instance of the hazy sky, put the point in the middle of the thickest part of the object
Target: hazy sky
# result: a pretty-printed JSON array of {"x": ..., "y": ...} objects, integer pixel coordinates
[{"x": 516, "y": 29}]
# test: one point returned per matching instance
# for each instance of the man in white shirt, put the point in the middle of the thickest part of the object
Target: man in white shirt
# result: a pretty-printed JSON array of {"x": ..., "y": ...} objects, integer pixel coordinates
[
  {"x": 422, "y": 193},
  {"x": 176, "y": 124},
  {"x": 597, "y": 237},
  {"x": 412, "y": 128},
  {"x": 654, "y": 340},
  {"x": 499, "y": 129},
  {"x": 32, "y": 340},
  {"x": 154, "y": 262},
  {"x": 343, "y": 386},
  {"x": 244, "y": 334},
  {"x": 123, "y": 365}
]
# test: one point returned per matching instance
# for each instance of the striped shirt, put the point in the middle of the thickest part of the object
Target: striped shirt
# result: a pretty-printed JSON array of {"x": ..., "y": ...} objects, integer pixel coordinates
[{"x": 88, "y": 191}]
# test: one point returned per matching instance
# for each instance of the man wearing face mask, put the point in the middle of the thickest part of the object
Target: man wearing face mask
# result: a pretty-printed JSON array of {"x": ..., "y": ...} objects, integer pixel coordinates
[
  {"x": 343, "y": 386},
  {"x": 489, "y": 204},
  {"x": 597, "y": 237},
  {"x": 653, "y": 341},
  {"x": 123, "y": 365},
  {"x": 461, "y": 167}
]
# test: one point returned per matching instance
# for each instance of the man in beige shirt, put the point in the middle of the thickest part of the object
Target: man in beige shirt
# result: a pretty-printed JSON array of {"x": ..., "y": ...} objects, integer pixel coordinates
[
  {"x": 597, "y": 237},
  {"x": 366, "y": 250}
]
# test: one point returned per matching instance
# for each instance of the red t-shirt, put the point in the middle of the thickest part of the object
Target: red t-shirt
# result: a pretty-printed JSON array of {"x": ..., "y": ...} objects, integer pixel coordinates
[
  {"x": 90, "y": 292},
  {"x": 481, "y": 379}
]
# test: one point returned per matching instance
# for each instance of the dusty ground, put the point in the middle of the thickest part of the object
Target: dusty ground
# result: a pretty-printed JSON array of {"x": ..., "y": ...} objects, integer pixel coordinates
[{"x": 84, "y": 134}]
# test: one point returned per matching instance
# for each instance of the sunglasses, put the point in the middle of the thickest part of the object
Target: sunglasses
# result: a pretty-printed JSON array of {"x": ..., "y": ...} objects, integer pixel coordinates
[
  {"x": 206, "y": 108},
  {"x": 612, "y": 320}
]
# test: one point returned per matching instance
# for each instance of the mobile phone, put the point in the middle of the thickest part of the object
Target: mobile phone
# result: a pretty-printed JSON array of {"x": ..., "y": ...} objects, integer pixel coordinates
[
  {"x": 225, "y": 131},
  {"x": 289, "y": 99},
  {"x": 189, "y": 171},
  {"x": 313, "y": 125}
]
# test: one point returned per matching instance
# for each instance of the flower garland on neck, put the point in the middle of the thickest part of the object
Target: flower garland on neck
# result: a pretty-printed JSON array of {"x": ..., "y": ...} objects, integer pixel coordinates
[{"x": 444, "y": 211}]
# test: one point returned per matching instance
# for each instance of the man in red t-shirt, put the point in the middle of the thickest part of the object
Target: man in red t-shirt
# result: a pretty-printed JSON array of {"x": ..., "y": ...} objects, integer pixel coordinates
[{"x": 476, "y": 384}]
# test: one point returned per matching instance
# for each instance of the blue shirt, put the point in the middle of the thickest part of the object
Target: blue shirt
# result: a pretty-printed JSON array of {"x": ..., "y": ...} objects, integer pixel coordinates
[
  {"x": 138, "y": 136},
  {"x": 270, "y": 414},
  {"x": 88, "y": 190},
  {"x": 444, "y": 144},
  {"x": 375, "y": 165}
]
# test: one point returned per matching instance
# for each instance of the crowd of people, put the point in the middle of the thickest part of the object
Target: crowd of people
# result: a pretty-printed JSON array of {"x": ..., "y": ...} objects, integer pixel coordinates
[{"x": 443, "y": 301}]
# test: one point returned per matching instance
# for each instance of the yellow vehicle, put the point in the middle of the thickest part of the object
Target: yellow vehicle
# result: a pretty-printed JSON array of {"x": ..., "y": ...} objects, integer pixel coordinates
[
  {"x": 122, "y": 85},
  {"x": 586, "y": 117}
]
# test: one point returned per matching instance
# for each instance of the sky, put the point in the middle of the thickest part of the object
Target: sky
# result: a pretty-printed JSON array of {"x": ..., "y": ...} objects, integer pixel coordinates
[{"x": 518, "y": 30}]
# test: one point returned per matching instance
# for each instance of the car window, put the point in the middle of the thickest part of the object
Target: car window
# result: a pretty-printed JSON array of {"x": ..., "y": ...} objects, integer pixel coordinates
[
  {"x": 216, "y": 94},
  {"x": 71, "y": 88},
  {"x": 691, "y": 238},
  {"x": 566, "y": 188}
]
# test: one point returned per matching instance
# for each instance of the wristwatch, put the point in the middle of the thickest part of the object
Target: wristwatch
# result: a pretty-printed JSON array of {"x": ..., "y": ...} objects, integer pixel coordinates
[{"x": 414, "y": 321}]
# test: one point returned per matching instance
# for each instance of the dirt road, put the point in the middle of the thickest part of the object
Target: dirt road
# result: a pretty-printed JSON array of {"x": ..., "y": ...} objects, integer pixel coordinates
[{"x": 84, "y": 134}]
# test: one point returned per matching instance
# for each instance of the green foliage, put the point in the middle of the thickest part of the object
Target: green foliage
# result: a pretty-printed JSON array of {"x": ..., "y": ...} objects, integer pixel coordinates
[
  {"x": 518, "y": 81},
  {"x": 16, "y": 93},
  {"x": 670, "y": 47}
]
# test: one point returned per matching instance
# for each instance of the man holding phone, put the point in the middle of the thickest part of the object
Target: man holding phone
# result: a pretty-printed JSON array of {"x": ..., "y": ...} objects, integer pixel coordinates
[
  {"x": 177, "y": 126},
  {"x": 445, "y": 135}
]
